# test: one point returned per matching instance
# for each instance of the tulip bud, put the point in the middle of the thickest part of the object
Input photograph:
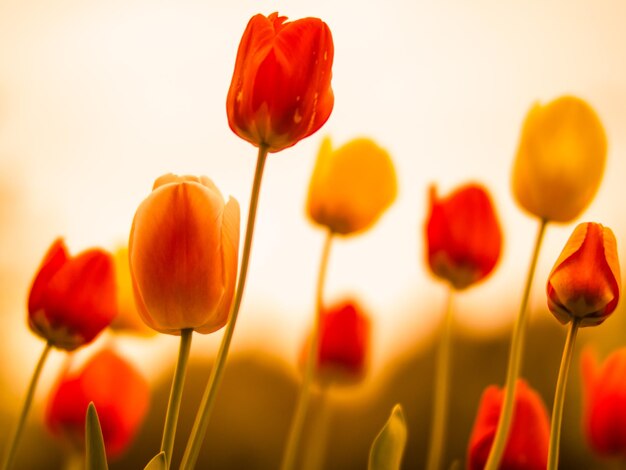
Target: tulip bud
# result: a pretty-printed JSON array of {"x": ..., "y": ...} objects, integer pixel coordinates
[
  {"x": 463, "y": 236},
  {"x": 585, "y": 280},
  {"x": 560, "y": 159},
  {"x": 605, "y": 394},
  {"x": 280, "y": 92},
  {"x": 72, "y": 299},
  {"x": 183, "y": 251},
  {"x": 527, "y": 446},
  {"x": 351, "y": 186},
  {"x": 127, "y": 319},
  {"x": 343, "y": 344},
  {"x": 119, "y": 392}
]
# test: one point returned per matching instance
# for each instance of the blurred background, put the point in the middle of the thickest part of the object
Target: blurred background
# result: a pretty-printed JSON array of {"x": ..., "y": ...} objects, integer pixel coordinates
[{"x": 98, "y": 99}]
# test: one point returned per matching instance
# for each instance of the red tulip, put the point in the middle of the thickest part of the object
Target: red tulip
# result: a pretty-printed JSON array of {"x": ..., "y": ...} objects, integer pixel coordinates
[
  {"x": 605, "y": 402},
  {"x": 280, "y": 92},
  {"x": 72, "y": 298},
  {"x": 120, "y": 394},
  {"x": 463, "y": 236},
  {"x": 527, "y": 447},
  {"x": 585, "y": 281},
  {"x": 343, "y": 344}
]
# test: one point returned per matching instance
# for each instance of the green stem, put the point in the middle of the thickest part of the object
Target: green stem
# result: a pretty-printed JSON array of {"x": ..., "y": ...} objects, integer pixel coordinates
[
  {"x": 515, "y": 360},
  {"x": 208, "y": 399},
  {"x": 176, "y": 393},
  {"x": 297, "y": 422},
  {"x": 15, "y": 437},
  {"x": 559, "y": 396},
  {"x": 315, "y": 446},
  {"x": 440, "y": 392}
]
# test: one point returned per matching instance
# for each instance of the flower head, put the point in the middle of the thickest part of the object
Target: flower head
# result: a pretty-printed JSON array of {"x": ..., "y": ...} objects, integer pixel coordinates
[
  {"x": 183, "y": 255},
  {"x": 351, "y": 186},
  {"x": 343, "y": 344},
  {"x": 280, "y": 92},
  {"x": 120, "y": 394},
  {"x": 560, "y": 159},
  {"x": 72, "y": 298},
  {"x": 585, "y": 281},
  {"x": 527, "y": 447},
  {"x": 463, "y": 236},
  {"x": 604, "y": 419}
]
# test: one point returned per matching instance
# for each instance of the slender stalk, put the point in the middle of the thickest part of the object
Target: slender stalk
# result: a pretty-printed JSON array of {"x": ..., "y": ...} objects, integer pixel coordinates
[
  {"x": 176, "y": 393},
  {"x": 9, "y": 456},
  {"x": 440, "y": 392},
  {"x": 515, "y": 361},
  {"x": 316, "y": 444},
  {"x": 297, "y": 422},
  {"x": 208, "y": 399},
  {"x": 559, "y": 396}
]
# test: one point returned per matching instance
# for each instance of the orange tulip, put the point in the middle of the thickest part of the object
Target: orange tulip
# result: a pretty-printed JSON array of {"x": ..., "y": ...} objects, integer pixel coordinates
[
  {"x": 585, "y": 280},
  {"x": 605, "y": 396},
  {"x": 72, "y": 299},
  {"x": 463, "y": 236},
  {"x": 351, "y": 186},
  {"x": 120, "y": 394},
  {"x": 183, "y": 251},
  {"x": 527, "y": 447},
  {"x": 343, "y": 344},
  {"x": 127, "y": 318},
  {"x": 280, "y": 92}
]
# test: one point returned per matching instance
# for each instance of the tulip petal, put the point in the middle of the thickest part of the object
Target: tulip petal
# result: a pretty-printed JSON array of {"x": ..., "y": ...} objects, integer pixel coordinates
[{"x": 54, "y": 259}]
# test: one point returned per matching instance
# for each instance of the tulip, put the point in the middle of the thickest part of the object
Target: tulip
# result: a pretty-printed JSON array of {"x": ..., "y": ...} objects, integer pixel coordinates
[
  {"x": 280, "y": 92},
  {"x": 119, "y": 392},
  {"x": 463, "y": 236},
  {"x": 585, "y": 280},
  {"x": 127, "y": 318},
  {"x": 527, "y": 446},
  {"x": 343, "y": 344},
  {"x": 560, "y": 159},
  {"x": 351, "y": 186},
  {"x": 605, "y": 395},
  {"x": 72, "y": 299},
  {"x": 183, "y": 252}
]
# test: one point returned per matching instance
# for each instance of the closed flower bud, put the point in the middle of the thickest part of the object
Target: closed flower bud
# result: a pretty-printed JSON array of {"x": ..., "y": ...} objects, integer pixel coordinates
[
  {"x": 343, "y": 344},
  {"x": 560, "y": 159},
  {"x": 72, "y": 299},
  {"x": 527, "y": 446},
  {"x": 351, "y": 186},
  {"x": 183, "y": 251},
  {"x": 585, "y": 281},
  {"x": 127, "y": 319},
  {"x": 120, "y": 394},
  {"x": 463, "y": 236},
  {"x": 280, "y": 92},
  {"x": 604, "y": 419}
]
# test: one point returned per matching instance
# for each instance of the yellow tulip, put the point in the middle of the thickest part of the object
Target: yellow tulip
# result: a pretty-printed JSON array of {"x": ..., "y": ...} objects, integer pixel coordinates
[
  {"x": 560, "y": 159},
  {"x": 183, "y": 255},
  {"x": 351, "y": 186}
]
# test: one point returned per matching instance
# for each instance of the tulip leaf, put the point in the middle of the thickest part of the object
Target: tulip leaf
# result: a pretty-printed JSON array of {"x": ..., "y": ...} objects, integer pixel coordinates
[
  {"x": 388, "y": 447},
  {"x": 95, "y": 455},
  {"x": 158, "y": 462}
]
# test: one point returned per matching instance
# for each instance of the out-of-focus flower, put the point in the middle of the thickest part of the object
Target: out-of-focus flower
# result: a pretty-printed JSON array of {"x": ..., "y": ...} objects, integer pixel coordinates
[
  {"x": 605, "y": 396},
  {"x": 183, "y": 251},
  {"x": 463, "y": 236},
  {"x": 527, "y": 447},
  {"x": 119, "y": 392},
  {"x": 128, "y": 318},
  {"x": 560, "y": 159},
  {"x": 585, "y": 281},
  {"x": 343, "y": 344},
  {"x": 351, "y": 186},
  {"x": 72, "y": 299},
  {"x": 280, "y": 92}
]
